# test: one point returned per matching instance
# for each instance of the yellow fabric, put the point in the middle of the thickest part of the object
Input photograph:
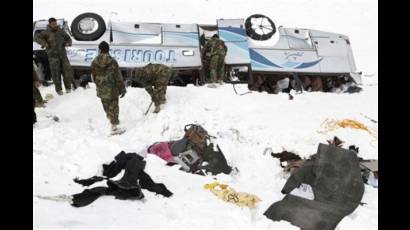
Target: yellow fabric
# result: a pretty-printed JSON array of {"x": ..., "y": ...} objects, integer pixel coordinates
[
  {"x": 330, "y": 125},
  {"x": 228, "y": 194}
]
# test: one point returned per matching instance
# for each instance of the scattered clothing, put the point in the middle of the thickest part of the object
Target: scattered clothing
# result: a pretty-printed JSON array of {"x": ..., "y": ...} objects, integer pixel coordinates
[
  {"x": 162, "y": 150},
  {"x": 228, "y": 194},
  {"x": 370, "y": 172},
  {"x": 330, "y": 125},
  {"x": 369, "y": 168},
  {"x": 334, "y": 175},
  {"x": 192, "y": 152},
  {"x": 293, "y": 160},
  {"x": 128, "y": 187},
  {"x": 373, "y": 180}
]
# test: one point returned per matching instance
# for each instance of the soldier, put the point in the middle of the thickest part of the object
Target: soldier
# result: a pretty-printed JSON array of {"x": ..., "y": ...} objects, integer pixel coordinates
[
  {"x": 110, "y": 84},
  {"x": 215, "y": 52},
  {"x": 35, "y": 84},
  {"x": 54, "y": 39},
  {"x": 39, "y": 101},
  {"x": 154, "y": 78},
  {"x": 206, "y": 56}
]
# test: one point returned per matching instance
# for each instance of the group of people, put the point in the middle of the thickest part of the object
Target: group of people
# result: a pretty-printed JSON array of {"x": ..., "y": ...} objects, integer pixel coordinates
[{"x": 107, "y": 75}]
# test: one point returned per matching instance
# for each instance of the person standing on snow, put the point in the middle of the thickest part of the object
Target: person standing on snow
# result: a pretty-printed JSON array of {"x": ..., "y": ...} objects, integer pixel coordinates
[
  {"x": 55, "y": 39},
  {"x": 154, "y": 78},
  {"x": 36, "y": 83},
  {"x": 39, "y": 101},
  {"x": 215, "y": 52},
  {"x": 109, "y": 82}
]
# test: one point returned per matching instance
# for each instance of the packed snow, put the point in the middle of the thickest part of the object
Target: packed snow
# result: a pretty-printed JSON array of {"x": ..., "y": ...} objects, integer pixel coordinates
[{"x": 244, "y": 126}]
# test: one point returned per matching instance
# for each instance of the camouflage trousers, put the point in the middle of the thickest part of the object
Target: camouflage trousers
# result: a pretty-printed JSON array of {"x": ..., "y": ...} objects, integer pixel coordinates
[
  {"x": 217, "y": 68},
  {"x": 158, "y": 93},
  {"x": 205, "y": 68},
  {"x": 58, "y": 66},
  {"x": 111, "y": 109}
]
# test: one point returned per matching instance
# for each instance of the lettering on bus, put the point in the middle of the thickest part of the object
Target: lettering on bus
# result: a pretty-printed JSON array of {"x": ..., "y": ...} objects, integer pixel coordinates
[{"x": 135, "y": 55}]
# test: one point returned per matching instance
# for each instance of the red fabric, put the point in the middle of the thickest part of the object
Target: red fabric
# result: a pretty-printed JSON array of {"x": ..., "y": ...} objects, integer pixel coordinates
[{"x": 162, "y": 150}]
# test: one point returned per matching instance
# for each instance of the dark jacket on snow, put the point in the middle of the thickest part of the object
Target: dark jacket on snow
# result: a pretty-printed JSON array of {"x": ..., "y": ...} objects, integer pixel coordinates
[
  {"x": 334, "y": 174},
  {"x": 134, "y": 165}
]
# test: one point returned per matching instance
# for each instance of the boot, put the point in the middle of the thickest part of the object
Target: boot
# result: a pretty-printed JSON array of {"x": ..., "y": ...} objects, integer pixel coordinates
[
  {"x": 40, "y": 104},
  {"x": 157, "y": 109},
  {"x": 68, "y": 91},
  {"x": 60, "y": 92},
  {"x": 115, "y": 130}
]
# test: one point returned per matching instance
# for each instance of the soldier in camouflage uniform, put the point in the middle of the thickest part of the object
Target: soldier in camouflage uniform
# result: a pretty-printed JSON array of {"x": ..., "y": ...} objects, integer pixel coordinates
[
  {"x": 215, "y": 52},
  {"x": 54, "y": 39},
  {"x": 39, "y": 101},
  {"x": 154, "y": 78},
  {"x": 35, "y": 84},
  {"x": 109, "y": 82},
  {"x": 206, "y": 59}
]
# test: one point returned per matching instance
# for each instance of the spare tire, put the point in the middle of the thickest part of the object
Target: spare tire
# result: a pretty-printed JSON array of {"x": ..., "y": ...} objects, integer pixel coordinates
[
  {"x": 88, "y": 27},
  {"x": 259, "y": 27}
]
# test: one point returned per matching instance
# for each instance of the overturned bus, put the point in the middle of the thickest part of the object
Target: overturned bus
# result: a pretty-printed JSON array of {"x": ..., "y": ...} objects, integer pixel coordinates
[{"x": 259, "y": 54}]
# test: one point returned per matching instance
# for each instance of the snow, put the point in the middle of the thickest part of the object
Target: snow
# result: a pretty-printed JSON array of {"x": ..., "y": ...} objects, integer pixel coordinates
[
  {"x": 79, "y": 143},
  {"x": 244, "y": 126}
]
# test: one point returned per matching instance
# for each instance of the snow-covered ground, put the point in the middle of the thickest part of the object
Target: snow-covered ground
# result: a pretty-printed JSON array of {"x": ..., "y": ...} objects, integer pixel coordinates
[{"x": 244, "y": 125}]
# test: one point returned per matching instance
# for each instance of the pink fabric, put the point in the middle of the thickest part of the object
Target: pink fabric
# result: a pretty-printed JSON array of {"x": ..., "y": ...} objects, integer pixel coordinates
[{"x": 162, "y": 150}]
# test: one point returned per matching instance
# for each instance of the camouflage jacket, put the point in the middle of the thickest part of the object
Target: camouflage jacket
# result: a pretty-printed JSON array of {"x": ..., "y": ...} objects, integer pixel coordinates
[
  {"x": 215, "y": 46},
  {"x": 53, "y": 41},
  {"x": 107, "y": 77},
  {"x": 155, "y": 75}
]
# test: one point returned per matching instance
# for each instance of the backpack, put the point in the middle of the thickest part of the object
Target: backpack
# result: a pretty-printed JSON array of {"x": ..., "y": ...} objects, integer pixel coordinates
[
  {"x": 198, "y": 150},
  {"x": 197, "y": 137}
]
